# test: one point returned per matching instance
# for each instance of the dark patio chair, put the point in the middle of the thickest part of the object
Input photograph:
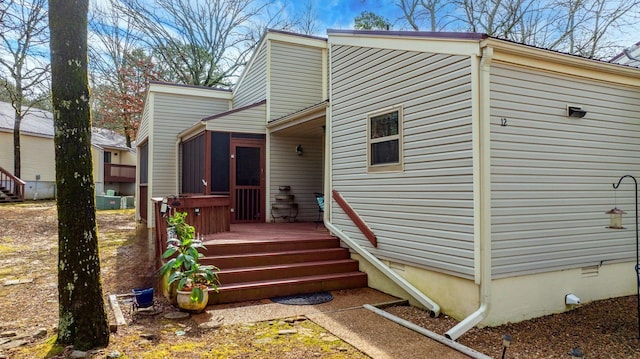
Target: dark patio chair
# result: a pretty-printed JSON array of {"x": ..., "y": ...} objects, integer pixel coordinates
[{"x": 320, "y": 201}]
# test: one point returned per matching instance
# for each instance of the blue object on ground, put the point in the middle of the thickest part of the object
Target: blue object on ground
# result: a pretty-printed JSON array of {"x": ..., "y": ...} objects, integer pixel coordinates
[{"x": 144, "y": 297}]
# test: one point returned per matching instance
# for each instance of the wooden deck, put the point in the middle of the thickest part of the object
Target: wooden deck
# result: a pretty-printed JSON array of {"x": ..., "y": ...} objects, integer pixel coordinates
[
  {"x": 265, "y": 231},
  {"x": 263, "y": 260}
]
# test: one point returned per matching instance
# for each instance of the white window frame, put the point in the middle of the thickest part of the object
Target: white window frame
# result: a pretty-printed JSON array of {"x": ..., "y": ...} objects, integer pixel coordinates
[{"x": 386, "y": 167}]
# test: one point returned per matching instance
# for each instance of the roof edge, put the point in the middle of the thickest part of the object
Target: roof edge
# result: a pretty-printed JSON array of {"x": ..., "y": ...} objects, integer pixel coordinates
[
  {"x": 421, "y": 34},
  {"x": 222, "y": 114}
]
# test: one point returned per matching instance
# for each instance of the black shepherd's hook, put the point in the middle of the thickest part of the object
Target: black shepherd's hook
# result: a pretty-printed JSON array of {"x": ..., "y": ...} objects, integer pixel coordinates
[{"x": 615, "y": 186}]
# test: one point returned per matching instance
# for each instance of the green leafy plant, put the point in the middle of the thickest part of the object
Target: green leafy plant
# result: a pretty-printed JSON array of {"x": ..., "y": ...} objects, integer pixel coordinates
[{"x": 184, "y": 267}]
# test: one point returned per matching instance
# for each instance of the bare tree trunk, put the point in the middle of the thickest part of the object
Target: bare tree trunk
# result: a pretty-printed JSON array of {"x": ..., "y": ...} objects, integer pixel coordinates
[
  {"x": 16, "y": 144},
  {"x": 82, "y": 316}
]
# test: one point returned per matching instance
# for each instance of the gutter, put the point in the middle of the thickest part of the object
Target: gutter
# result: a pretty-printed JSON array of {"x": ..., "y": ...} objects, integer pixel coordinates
[{"x": 483, "y": 189}]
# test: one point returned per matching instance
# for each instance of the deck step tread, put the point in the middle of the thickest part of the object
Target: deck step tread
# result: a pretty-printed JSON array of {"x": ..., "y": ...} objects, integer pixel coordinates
[
  {"x": 290, "y": 286},
  {"x": 275, "y": 253},
  {"x": 288, "y": 281},
  {"x": 271, "y": 239},
  {"x": 286, "y": 270},
  {"x": 292, "y": 265}
]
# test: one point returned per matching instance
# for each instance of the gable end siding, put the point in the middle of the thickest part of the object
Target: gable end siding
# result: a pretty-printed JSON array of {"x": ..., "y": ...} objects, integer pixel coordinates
[
  {"x": 423, "y": 215},
  {"x": 172, "y": 115},
  {"x": 296, "y": 78},
  {"x": 250, "y": 120},
  {"x": 552, "y": 175},
  {"x": 253, "y": 87}
]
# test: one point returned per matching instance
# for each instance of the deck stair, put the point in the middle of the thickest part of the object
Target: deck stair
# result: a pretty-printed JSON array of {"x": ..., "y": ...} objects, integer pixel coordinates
[
  {"x": 256, "y": 268},
  {"x": 8, "y": 196},
  {"x": 11, "y": 187}
]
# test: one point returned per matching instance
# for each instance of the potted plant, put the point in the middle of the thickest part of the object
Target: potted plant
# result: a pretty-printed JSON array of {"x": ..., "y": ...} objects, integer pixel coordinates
[{"x": 193, "y": 279}]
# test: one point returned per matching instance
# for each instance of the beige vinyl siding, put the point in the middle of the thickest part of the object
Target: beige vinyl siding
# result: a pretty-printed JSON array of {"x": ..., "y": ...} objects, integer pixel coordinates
[
  {"x": 97, "y": 159},
  {"x": 424, "y": 214},
  {"x": 37, "y": 158},
  {"x": 172, "y": 115},
  {"x": 552, "y": 175},
  {"x": 6, "y": 150},
  {"x": 302, "y": 173},
  {"x": 296, "y": 78},
  {"x": 253, "y": 85},
  {"x": 143, "y": 130},
  {"x": 250, "y": 120},
  {"x": 128, "y": 157}
]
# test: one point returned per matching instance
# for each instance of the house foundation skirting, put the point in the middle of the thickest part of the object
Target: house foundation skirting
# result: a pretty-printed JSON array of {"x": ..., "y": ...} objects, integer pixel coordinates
[{"x": 514, "y": 299}]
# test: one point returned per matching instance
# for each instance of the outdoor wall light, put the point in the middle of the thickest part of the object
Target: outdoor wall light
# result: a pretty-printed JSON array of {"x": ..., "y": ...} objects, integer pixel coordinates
[
  {"x": 299, "y": 150},
  {"x": 506, "y": 341},
  {"x": 575, "y": 111}
]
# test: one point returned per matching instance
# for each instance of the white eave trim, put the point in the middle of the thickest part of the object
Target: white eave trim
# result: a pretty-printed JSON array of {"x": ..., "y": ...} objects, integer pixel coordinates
[
  {"x": 299, "y": 117},
  {"x": 192, "y": 131},
  {"x": 523, "y": 55},
  {"x": 185, "y": 90},
  {"x": 392, "y": 41}
]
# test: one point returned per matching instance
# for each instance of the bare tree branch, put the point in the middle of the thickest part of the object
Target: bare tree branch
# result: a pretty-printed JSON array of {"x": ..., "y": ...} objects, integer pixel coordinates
[
  {"x": 202, "y": 42},
  {"x": 582, "y": 27},
  {"x": 23, "y": 64}
]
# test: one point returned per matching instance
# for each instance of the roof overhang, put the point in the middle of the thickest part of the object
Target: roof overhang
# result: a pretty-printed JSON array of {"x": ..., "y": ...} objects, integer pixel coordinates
[
  {"x": 192, "y": 131},
  {"x": 189, "y": 90},
  {"x": 548, "y": 60},
  {"x": 453, "y": 43},
  {"x": 308, "y": 122}
]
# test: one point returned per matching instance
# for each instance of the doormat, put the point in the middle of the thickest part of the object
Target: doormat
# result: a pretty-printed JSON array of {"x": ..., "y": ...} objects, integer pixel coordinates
[{"x": 304, "y": 299}]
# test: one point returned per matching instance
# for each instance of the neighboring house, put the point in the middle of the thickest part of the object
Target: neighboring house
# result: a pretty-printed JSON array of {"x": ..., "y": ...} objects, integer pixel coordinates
[
  {"x": 625, "y": 59},
  {"x": 113, "y": 162},
  {"x": 483, "y": 167}
]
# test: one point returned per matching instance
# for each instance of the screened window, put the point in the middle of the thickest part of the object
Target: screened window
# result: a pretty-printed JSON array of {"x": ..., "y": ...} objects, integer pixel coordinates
[{"x": 385, "y": 140}]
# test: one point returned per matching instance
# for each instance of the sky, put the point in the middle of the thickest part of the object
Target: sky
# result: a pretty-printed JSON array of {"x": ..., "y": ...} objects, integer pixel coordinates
[{"x": 339, "y": 14}]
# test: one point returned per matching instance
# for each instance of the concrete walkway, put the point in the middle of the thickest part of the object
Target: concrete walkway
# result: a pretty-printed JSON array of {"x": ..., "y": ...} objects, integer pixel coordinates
[{"x": 345, "y": 318}]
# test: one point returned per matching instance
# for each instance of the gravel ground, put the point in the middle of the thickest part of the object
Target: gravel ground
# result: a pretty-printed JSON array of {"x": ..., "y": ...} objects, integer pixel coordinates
[{"x": 602, "y": 329}]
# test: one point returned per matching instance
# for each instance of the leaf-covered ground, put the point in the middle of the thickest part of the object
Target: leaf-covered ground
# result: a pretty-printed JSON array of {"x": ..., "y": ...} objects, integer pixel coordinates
[
  {"x": 28, "y": 255},
  {"x": 28, "y": 251}
]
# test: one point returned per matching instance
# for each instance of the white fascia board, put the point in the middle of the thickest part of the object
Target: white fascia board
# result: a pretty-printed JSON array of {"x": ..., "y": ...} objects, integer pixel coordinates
[
  {"x": 548, "y": 60},
  {"x": 192, "y": 131},
  {"x": 185, "y": 90},
  {"x": 464, "y": 47},
  {"x": 297, "y": 40}
]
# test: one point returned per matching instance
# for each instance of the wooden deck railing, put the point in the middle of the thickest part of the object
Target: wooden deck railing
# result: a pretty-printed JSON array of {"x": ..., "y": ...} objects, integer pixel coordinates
[
  {"x": 359, "y": 222},
  {"x": 208, "y": 214},
  {"x": 11, "y": 185},
  {"x": 119, "y": 173}
]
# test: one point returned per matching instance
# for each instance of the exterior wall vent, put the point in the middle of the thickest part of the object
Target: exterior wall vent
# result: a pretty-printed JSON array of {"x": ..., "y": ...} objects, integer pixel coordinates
[
  {"x": 398, "y": 267},
  {"x": 591, "y": 271}
]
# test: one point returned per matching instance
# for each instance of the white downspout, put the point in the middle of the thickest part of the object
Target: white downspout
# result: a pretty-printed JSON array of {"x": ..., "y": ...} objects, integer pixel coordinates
[
  {"x": 395, "y": 277},
  {"x": 177, "y": 166},
  {"x": 328, "y": 185},
  {"x": 483, "y": 189}
]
